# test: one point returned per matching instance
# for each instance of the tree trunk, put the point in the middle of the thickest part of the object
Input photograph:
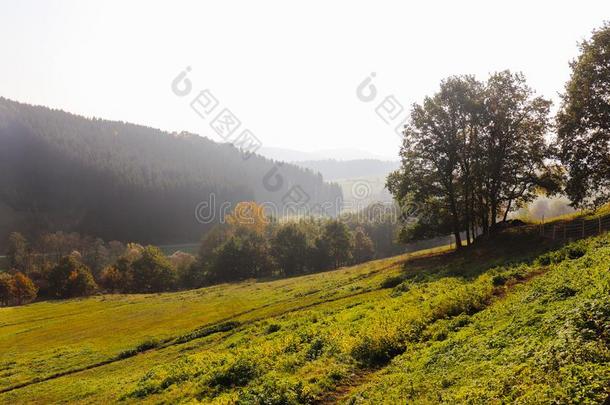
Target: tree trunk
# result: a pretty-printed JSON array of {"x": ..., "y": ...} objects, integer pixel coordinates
[
  {"x": 494, "y": 216},
  {"x": 507, "y": 210},
  {"x": 458, "y": 240}
]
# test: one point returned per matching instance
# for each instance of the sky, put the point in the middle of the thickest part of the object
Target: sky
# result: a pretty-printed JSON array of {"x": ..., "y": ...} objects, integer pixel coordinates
[{"x": 288, "y": 71}]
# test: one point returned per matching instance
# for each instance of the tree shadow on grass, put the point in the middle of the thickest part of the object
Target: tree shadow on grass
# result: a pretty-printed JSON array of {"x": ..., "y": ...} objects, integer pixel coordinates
[{"x": 511, "y": 247}]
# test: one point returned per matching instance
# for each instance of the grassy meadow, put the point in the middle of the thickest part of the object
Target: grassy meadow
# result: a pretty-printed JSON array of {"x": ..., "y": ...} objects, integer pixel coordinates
[{"x": 516, "y": 321}]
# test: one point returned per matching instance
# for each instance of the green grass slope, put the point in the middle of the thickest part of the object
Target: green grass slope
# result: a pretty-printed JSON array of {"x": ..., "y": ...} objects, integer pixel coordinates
[
  {"x": 516, "y": 321},
  {"x": 548, "y": 341}
]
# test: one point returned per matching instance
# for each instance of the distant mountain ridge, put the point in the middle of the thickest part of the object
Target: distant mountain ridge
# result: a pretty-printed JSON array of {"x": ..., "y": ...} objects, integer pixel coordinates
[
  {"x": 341, "y": 154},
  {"x": 116, "y": 180},
  {"x": 332, "y": 169}
]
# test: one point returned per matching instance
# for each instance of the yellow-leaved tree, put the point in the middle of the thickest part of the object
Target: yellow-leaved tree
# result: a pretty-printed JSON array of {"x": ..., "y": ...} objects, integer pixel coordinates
[{"x": 250, "y": 215}]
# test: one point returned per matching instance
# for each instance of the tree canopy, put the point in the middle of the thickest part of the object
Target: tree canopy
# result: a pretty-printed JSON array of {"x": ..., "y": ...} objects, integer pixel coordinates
[
  {"x": 471, "y": 153},
  {"x": 583, "y": 123}
]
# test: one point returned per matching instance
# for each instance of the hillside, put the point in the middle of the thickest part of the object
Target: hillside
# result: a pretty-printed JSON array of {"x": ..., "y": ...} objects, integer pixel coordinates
[
  {"x": 332, "y": 169},
  {"x": 339, "y": 154},
  {"x": 519, "y": 320},
  {"x": 116, "y": 180}
]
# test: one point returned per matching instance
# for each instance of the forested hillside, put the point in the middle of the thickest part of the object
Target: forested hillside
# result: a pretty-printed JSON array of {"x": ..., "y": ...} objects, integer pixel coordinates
[{"x": 116, "y": 180}]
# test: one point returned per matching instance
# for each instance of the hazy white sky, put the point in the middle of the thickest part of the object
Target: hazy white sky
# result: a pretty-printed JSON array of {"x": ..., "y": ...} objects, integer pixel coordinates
[{"x": 288, "y": 70}]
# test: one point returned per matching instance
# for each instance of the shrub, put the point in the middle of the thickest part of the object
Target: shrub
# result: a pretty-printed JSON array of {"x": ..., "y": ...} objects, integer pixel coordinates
[
  {"x": 572, "y": 251},
  {"x": 272, "y": 328},
  {"x": 374, "y": 351},
  {"x": 142, "y": 347},
  {"x": 576, "y": 251},
  {"x": 161, "y": 377},
  {"x": 237, "y": 373},
  {"x": 544, "y": 260},
  {"x": 499, "y": 280},
  {"x": 275, "y": 392},
  {"x": 206, "y": 331},
  {"x": 391, "y": 282},
  {"x": 564, "y": 292},
  {"x": 315, "y": 349}
]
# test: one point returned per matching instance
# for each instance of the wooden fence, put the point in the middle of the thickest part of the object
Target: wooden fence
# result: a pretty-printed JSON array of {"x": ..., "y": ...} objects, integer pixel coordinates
[{"x": 575, "y": 229}]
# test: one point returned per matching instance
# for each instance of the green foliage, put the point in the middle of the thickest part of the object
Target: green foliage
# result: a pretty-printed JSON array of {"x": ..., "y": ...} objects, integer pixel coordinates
[
  {"x": 572, "y": 251},
  {"x": 272, "y": 328},
  {"x": 546, "y": 341},
  {"x": 471, "y": 153},
  {"x": 337, "y": 241},
  {"x": 289, "y": 248},
  {"x": 583, "y": 123},
  {"x": 375, "y": 351},
  {"x": 152, "y": 272},
  {"x": 244, "y": 255},
  {"x": 487, "y": 325},
  {"x": 379, "y": 222},
  {"x": 392, "y": 282},
  {"x": 70, "y": 278},
  {"x": 236, "y": 373},
  {"x": 206, "y": 331},
  {"x": 275, "y": 391},
  {"x": 142, "y": 347},
  {"x": 364, "y": 250}
]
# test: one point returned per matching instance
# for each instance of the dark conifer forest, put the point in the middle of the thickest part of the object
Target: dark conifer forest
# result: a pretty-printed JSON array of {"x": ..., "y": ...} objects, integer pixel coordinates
[{"x": 117, "y": 180}]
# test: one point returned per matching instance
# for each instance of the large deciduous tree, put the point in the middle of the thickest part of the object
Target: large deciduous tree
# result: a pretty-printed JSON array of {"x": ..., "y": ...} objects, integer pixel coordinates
[
  {"x": 152, "y": 272},
  {"x": 512, "y": 144},
  {"x": 471, "y": 153},
  {"x": 289, "y": 249},
  {"x": 583, "y": 123},
  {"x": 337, "y": 241},
  {"x": 24, "y": 289},
  {"x": 70, "y": 278},
  {"x": 364, "y": 250},
  {"x": 244, "y": 255},
  {"x": 435, "y": 158}
]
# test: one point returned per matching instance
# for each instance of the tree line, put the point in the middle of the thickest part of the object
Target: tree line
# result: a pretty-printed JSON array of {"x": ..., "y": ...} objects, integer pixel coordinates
[
  {"x": 477, "y": 150},
  {"x": 249, "y": 244}
]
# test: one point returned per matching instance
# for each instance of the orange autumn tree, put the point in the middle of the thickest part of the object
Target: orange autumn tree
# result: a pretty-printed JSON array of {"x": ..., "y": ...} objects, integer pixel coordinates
[
  {"x": 248, "y": 214},
  {"x": 24, "y": 289}
]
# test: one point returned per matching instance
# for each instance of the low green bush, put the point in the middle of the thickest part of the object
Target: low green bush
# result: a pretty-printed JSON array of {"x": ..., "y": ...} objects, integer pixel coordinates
[
  {"x": 375, "y": 351},
  {"x": 391, "y": 282},
  {"x": 236, "y": 373},
  {"x": 272, "y": 328},
  {"x": 275, "y": 391}
]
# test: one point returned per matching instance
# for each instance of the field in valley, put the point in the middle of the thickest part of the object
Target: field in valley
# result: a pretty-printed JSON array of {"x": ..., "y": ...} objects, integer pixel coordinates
[{"x": 516, "y": 321}]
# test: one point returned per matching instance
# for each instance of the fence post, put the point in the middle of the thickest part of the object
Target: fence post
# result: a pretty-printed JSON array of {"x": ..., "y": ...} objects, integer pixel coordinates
[
  {"x": 583, "y": 228},
  {"x": 599, "y": 219},
  {"x": 564, "y": 232},
  {"x": 554, "y": 229}
]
